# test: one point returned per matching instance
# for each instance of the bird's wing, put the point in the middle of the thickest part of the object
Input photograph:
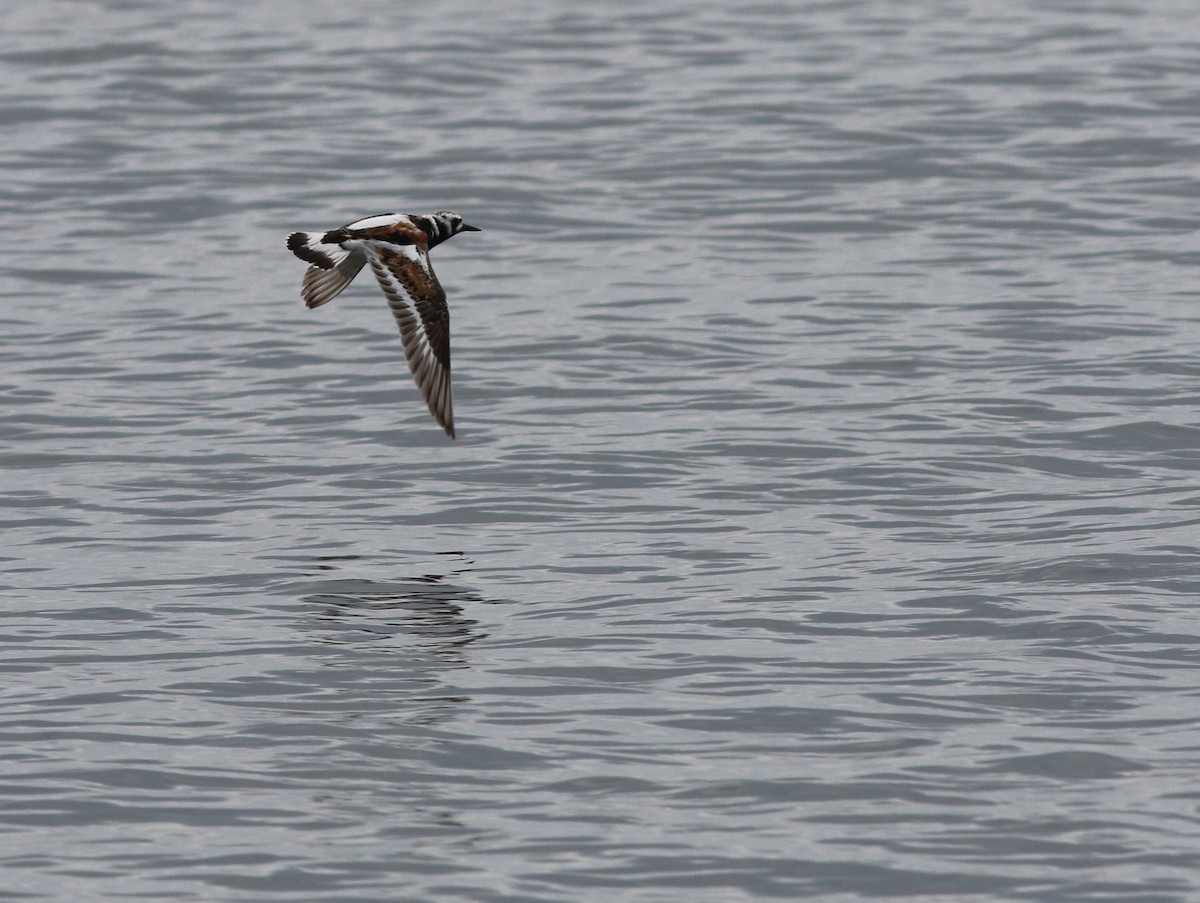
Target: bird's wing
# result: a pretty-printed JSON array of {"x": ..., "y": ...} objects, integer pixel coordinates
[
  {"x": 321, "y": 285},
  {"x": 332, "y": 266},
  {"x": 418, "y": 303}
]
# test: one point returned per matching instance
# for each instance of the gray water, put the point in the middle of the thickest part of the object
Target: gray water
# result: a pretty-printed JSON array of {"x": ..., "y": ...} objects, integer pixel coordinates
[{"x": 823, "y": 519}]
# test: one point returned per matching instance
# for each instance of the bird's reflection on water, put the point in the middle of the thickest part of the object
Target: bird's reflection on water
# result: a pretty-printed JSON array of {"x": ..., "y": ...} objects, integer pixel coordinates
[{"x": 423, "y": 612}]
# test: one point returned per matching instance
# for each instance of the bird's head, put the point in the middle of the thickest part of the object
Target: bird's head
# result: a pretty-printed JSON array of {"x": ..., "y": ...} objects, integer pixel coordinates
[{"x": 455, "y": 222}]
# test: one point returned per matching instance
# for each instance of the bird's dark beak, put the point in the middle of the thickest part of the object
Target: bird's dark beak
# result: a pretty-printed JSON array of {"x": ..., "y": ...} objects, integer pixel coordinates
[{"x": 466, "y": 228}]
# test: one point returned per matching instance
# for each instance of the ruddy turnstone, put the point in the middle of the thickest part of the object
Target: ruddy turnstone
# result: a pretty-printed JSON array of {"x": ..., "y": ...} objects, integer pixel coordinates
[{"x": 397, "y": 247}]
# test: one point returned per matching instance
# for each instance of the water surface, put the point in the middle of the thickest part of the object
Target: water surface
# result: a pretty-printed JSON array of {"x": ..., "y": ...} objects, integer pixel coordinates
[{"x": 823, "y": 519}]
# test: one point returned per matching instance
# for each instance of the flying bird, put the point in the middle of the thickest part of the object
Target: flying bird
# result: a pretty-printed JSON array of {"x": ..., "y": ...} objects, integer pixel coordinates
[{"x": 397, "y": 246}]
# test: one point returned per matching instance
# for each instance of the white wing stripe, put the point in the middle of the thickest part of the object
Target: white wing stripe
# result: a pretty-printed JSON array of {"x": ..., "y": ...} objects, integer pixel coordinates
[{"x": 374, "y": 222}]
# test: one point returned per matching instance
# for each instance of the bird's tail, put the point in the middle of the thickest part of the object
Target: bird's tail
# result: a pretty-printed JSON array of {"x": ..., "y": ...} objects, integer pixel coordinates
[{"x": 333, "y": 267}]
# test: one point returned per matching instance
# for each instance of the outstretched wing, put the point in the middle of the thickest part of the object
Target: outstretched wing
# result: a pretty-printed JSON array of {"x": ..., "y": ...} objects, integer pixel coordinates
[
  {"x": 321, "y": 285},
  {"x": 332, "y": 267},
  {"x": 418, "y": 303}
]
